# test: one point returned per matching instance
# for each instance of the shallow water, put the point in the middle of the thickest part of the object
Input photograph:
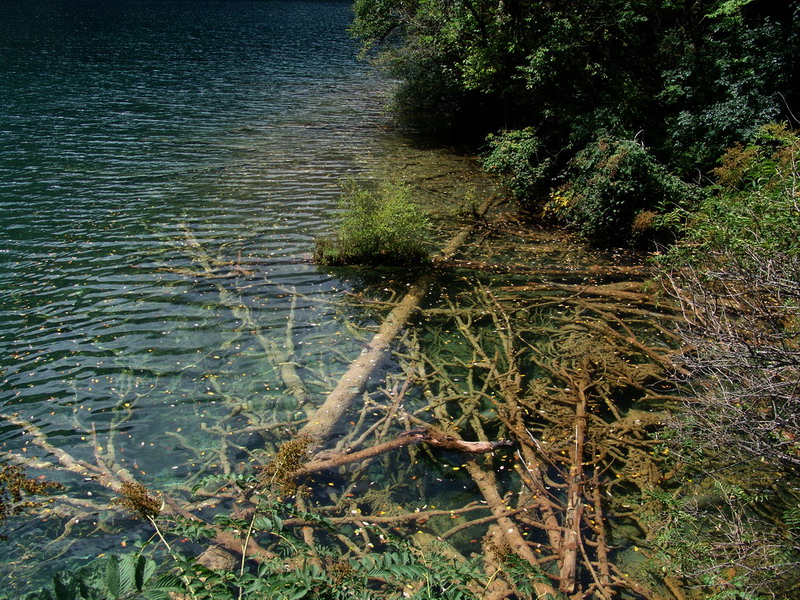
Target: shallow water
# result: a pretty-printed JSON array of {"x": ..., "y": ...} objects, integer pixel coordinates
[{"x": 126, "y": 124}]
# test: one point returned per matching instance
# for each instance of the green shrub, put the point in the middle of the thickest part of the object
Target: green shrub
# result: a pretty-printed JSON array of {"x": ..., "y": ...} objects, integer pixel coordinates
[
  {"x": 381, "y": 226},
  {"x": 735, "y": 272},
  {"x": 753, "y": 205},
  {"x": 515, "y": 156},
  {"x": 614, "y": 184}
]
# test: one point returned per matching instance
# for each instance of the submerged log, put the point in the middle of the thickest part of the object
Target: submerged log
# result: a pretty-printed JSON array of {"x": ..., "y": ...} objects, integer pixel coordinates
[
  {"x": 597, "y": 271},
  {"x": 574, "y": 510},
  {"x": 353, "y": 383},
  {"x": 506, "y": 529}
]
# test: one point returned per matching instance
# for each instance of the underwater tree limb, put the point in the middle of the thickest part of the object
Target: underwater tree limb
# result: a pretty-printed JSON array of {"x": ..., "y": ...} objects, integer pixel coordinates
[
  {"x": 354, "y": 380},
  {"x": 77, "y": 466},
  {"x": 574, "y": 510},
  {"x": 407, "y": 517},
  {"x": 429, "y": 436},
  {"x": 105, "y": 475},
  {"x": 510, "y": 532},
  {"x": 280, "y": 358}
]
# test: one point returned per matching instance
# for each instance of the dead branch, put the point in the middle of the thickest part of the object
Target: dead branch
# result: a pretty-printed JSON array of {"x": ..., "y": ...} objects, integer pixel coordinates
[
  {"x": 354, "y": 381},
  {"x": 430, "y": 436}
]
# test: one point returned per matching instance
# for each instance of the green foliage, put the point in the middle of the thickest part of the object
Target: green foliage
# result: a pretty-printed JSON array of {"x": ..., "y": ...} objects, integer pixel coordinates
[
  {"x": 194, "y": 530},
  {"x": 399, "y": 571},
  {"x": 735, "y": 270},
  {"x": 689, "y": 80},
  {"x": 791, "y": 517},
  {"x": 728, "y": 8},
  {"x": 612, "y": 181},
  {"x": 516, "y": 156},
  {"x": 127, "y": 577},
  {"x": 378, "y": 227},
  {"x": 721, "y": 93},
  {"x": 752, "y": 206},
  {"x": 293, "y": 570}
]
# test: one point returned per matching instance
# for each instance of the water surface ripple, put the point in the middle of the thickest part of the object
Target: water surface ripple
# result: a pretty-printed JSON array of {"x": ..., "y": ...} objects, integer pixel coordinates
[{"x": 130, "y": 130}]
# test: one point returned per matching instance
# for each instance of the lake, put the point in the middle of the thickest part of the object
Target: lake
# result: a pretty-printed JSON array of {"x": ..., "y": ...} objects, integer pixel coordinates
[
  {"x": 125, "y": 124},
  {"x": 165, "y": 167}
]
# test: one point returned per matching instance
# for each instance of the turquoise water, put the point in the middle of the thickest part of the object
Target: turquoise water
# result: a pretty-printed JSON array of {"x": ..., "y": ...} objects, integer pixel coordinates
[
  {"x": 128, "y": 131},
  {"x": 125, "y": 125},
  {"x": 164, "y": 169}
]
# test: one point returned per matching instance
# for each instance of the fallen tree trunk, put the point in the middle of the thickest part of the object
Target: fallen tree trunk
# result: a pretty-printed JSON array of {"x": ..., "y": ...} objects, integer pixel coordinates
[
  {"x": 506, "y": 529},
  {"x": 573, "y": 514},
  {"x": 431, "y": 437},
  {"x": 610, "y": 271},
  {"x": 352, "y": 384}
]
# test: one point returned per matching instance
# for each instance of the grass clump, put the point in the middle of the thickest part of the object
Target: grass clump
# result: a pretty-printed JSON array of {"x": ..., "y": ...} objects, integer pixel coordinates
[{"x": 377, "y": 227}]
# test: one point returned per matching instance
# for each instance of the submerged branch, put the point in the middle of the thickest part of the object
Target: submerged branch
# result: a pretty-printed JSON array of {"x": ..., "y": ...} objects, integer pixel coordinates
[{"x": 352, "y": 384}]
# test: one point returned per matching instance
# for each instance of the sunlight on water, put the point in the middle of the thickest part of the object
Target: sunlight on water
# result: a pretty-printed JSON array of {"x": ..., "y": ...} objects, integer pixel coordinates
[{"x": 164, "y": 169}]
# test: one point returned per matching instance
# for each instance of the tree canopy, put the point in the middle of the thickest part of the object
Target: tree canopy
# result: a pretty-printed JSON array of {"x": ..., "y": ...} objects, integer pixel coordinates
[{"x": 687, "y": 79}]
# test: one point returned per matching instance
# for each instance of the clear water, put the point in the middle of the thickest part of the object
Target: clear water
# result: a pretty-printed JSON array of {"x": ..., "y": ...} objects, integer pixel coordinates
[
  {"x": 123, "y": 125},
  {"x": 128, "y": 129}
]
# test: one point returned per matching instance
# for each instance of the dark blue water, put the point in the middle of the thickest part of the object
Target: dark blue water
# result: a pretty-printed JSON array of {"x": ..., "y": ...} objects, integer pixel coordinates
[{"x": 130, "y": 132}]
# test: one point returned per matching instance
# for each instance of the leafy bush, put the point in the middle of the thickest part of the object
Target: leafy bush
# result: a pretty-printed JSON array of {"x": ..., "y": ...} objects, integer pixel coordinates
[
  {"x": 732, "y": 84},
  {"x": 515, "y": 156},
  {"x": 690, "y": 78},
  {"x": 613, "y": 184},
  {"x": 296, "y": 571},
  {"x": 377, "y": 227},
  {"x": 116, "y": 577}
]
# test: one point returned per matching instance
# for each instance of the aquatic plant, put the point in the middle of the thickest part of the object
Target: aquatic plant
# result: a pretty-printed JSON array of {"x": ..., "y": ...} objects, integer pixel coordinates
[
  {"x": 377, "y": 227},
  {"x": 137, "y": 499},
  {"x": 17, "y": 491}
]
